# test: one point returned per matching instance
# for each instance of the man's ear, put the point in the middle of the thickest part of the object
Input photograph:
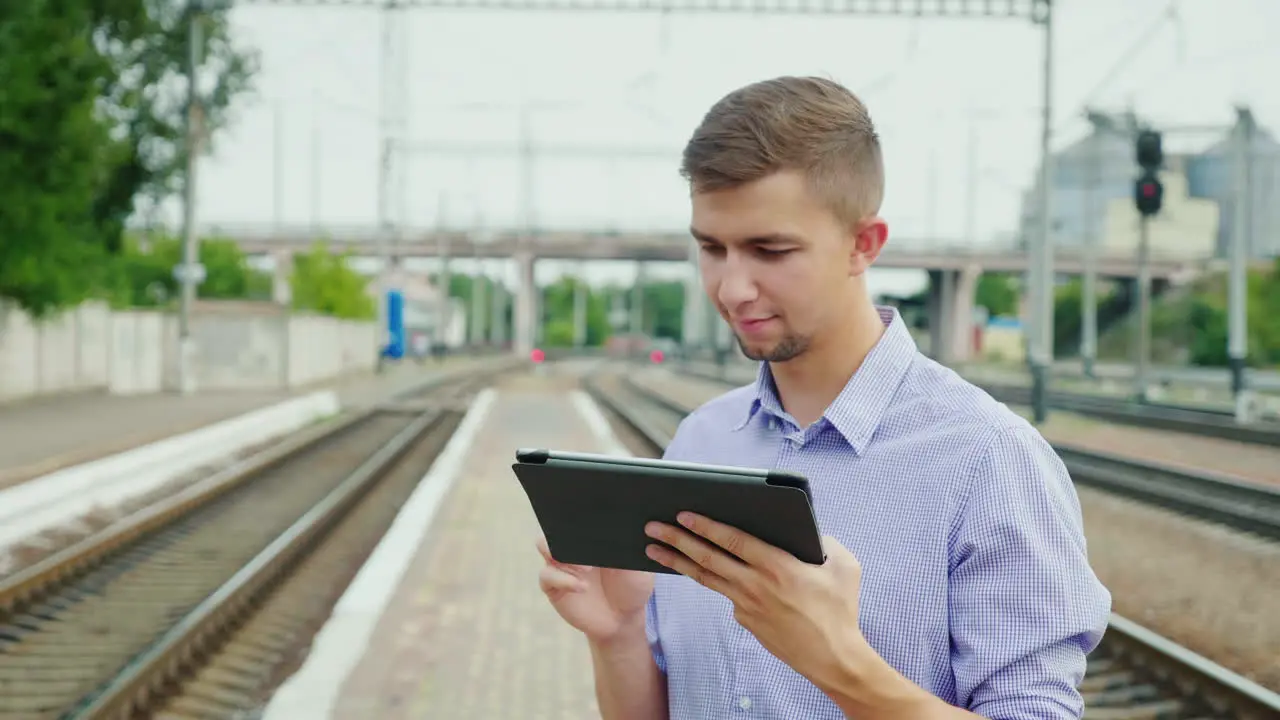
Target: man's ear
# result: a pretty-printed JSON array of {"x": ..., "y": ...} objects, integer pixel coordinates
[{"x": 869, "y": 236}]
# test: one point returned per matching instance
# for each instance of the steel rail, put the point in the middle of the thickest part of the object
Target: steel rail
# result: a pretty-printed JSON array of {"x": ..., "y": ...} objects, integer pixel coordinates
[{"x": 30, "y": 598}]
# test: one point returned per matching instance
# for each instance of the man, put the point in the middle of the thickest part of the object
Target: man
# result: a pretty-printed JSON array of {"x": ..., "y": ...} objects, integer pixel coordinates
[{"x": 957, "y": 582}]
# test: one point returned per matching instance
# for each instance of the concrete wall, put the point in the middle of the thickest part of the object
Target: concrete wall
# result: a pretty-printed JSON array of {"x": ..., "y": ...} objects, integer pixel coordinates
[
  {"x": 67, "y": 353},
  {"x": 239, "y": 346}
]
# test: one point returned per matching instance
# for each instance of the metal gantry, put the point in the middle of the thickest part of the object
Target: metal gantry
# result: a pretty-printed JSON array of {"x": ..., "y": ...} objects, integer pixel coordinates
[{"x": 1039, "y": 12}]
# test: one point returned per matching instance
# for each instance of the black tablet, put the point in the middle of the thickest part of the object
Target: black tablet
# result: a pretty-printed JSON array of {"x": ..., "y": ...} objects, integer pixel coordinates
[{"x": 593, "y": 508}]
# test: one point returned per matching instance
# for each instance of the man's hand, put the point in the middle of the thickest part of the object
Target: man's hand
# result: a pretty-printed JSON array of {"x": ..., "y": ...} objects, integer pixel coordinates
[
  {"x": 599, "y": 602},
  {"x": 806, "y": 615}
]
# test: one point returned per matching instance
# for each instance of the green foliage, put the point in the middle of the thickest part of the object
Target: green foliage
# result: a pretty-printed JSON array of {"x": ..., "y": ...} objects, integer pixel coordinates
[
  {"x": 147, "y": 43},
  {"x": 1206, "y": 318},
  {"x": 998, "y": 293},
  {"x": 53, "y": 153},
  {"x": 557, "y": 313},
  {"x": 1189, "y": 324},
  {"x": 462, "y": 287},
  {"x": 142, "y": 275},
  {"x": 324, "y": 283},
  {"x": 91, "y": 120},
  {"x": 664, "y": 309}
]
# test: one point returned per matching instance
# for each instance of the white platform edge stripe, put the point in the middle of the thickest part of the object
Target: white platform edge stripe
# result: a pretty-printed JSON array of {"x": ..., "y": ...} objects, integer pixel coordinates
[
  {"x": 598, "y": 423},
  {"x": 312, "y": 691}
]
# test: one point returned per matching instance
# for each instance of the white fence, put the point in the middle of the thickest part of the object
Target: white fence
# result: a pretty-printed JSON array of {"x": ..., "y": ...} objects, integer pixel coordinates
[{"x": 238, "y": 346}]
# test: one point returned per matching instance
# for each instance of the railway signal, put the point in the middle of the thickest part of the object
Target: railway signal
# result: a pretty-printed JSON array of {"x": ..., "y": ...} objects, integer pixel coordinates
[{"x": 1148, "y": 192}]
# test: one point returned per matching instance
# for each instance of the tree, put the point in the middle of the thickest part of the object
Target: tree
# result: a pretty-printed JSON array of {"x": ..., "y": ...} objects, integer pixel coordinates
[
  {"x": 143, "y": 273},
  {"x": 1210, "y": 324},
  {"x": 664, "y": 309},
  {"x": 54, "y": 153},
  {"x": 147, "y": 44},
  {"x": 557, "y": 304},
  {"x": 324, "y": 283},
  {"x": 998, "y": 293},
  {"x": 91, "y": 119},
  {"x": 463, "y": 286}
]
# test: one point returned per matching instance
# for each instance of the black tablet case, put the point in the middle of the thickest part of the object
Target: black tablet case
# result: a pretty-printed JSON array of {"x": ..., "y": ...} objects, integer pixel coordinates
[{"x": 593, "y": 508}]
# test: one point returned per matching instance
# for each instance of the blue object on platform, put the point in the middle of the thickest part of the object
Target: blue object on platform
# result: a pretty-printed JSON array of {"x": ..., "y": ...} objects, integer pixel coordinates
[{"x": 395, "y": 325}]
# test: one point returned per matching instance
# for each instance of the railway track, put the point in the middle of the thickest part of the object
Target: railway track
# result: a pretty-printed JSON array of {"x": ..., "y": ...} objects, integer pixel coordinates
[
  {"x": 1159, "y": 416},
  {"x": 1242, "y": 505},
  {"x": 1135, "y": 674},
  {"x": 196, "y": 606}
]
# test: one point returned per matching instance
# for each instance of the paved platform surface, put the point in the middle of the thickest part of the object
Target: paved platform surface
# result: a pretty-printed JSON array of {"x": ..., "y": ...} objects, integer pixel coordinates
[
  {"x": 46, "y": 434},
  {"x": 467, "y": 634},
  {"x": 1249, "y": 461}
]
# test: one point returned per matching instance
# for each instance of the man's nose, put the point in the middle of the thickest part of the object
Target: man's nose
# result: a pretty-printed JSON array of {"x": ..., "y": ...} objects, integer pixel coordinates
[{"x": 737, "y": 283}]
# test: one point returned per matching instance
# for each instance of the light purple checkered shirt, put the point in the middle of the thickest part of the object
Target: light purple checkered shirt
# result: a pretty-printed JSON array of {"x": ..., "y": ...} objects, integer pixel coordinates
[{"x": 976, "y": 584}]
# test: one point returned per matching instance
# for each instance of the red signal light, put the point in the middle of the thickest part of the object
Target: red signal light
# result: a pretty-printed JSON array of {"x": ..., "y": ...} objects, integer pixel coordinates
[
  {"x": 537, "y": 356},
  {"x": 1148, "y": 190}
]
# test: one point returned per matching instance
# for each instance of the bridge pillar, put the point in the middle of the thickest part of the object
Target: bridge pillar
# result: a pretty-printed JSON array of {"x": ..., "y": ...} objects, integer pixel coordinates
[
  {"x": 526, "y": 303},
  {"x": 281, "y": 290},
  {"x": 637, "y": 300},
  {"x": 694, "y": 325},
  {"x": 498, "y": 316},
  {"x": 580, "y": 307},
  {"x": 476, "y": 335},
  {"x": 950, "y": 308}
]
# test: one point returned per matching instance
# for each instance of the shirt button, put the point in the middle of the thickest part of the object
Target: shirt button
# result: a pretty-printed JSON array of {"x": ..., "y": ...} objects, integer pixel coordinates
[{"x": 744, "y": 702}]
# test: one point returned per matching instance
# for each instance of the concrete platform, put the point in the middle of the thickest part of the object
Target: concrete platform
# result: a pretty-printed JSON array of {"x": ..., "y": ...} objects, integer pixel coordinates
[
  {"x": 41, "y": 436},
  {"x": 446, "y": 620}
]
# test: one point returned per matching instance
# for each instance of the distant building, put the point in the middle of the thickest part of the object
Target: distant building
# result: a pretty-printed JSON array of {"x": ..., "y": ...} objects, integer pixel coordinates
[
  {"x": 1209, "y": 175},
  {"x": 1092, "y": 189}
]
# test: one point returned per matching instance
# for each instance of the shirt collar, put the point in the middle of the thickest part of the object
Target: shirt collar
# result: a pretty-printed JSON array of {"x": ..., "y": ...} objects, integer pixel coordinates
[{"x": 857, "y": 410}]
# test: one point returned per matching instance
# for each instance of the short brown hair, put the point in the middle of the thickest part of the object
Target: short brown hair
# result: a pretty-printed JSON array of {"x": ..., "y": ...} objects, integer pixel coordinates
[{"x": 807, "y": 124}]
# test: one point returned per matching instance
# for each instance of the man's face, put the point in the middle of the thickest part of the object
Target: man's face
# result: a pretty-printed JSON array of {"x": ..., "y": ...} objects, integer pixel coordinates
[{"x": 776, "y": 263}]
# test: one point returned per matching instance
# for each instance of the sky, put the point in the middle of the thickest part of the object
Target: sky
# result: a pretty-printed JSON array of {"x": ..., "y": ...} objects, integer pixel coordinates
[{"x": 956, "y": 101}]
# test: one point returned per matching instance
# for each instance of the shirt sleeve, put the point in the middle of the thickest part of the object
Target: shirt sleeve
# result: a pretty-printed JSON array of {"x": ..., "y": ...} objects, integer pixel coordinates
[
  {"x": 651, "y": 633},
  {"x": 1026, "y": 608}
]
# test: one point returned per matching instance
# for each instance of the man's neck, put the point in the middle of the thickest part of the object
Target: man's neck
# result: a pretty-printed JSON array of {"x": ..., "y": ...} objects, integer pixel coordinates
[{"x": 809, "y": 384}]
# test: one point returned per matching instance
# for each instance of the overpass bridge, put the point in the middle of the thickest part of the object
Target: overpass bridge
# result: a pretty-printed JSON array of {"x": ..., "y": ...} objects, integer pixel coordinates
[
  {"x": 953, "y": 267},
  {"x": 640, "y": 246}
]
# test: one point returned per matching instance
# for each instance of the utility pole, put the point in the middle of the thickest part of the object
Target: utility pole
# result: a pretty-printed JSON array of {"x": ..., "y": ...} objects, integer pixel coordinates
[
  {"x": 1237, "y": 275},
  {"x": 190, "y": 273},
  {"x": 444, "y": 311},
  {"x": 316, "y": 168},
  {"x": 1041, "y": 255},
  {"x": 384, "y": 187},
  {"x": 580, "y": 307},
  {"x": 391, "y": 118},
  {"x": 971, "y": 189},
  {"x": 931, "y": 217},
  {"x": 1089, "y": 289},
  {"x": 477, "y": 327},
  {"x": 1142, "y": 367},
  {"x": 1148, "y": 198},
  {"x": 277, "y": 166}
]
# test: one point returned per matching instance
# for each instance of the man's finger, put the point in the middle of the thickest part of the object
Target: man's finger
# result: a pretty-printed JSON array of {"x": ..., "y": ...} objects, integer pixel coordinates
[
  {"x": 552, "y": 579},
  {"x": 691, "y": 569},
  {"x": 701, "y": 552},
  {"x": 545, "y": 552},
  {"x": 750, "y": 549}
]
